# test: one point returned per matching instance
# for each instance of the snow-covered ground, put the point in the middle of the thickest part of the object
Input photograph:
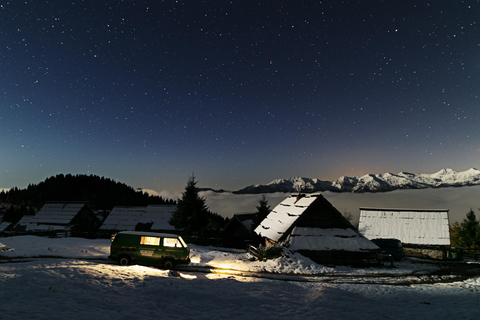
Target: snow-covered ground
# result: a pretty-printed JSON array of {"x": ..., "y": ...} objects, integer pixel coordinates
[{"x": 43, "y": 278}]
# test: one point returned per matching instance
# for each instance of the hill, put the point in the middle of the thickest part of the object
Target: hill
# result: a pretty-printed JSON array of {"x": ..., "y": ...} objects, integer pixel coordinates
[{"x": 101, "y": 193}]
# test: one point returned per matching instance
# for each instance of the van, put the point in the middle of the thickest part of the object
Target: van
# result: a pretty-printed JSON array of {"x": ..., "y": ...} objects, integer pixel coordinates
[
  {"x": 393, "y": 247},
  {"x": 160, "y": 249}
]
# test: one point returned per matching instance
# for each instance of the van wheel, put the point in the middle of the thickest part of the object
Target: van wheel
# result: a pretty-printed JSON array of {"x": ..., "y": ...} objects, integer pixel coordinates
[
  {"x": 168, "y": 264},
  {"x": 124, "y": 261}
]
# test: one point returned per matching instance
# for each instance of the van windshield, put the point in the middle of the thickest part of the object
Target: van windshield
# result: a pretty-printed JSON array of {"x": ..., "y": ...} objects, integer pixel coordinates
[
  {"x": 183, "y": 242},
  {"x": 172, "y": 242}
]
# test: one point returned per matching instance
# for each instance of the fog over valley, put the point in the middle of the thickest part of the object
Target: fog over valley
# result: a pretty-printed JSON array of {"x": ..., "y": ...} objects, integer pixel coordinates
[{"x": 458, "y": 200}]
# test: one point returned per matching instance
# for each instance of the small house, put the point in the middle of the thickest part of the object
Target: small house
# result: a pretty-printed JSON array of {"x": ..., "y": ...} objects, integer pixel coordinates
[
  {"x": 148, "y": 218},
  {"x": 60, "y": 219},
  {"x": 312, "y": 226},
  {"x": 238, "y": 232},
  {"x": 423, "y": 232}
]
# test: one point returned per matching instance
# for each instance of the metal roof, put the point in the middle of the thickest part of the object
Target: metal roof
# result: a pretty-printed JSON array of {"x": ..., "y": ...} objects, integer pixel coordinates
[
  {"x": 411, "y": 226},
  {"x": 127, "y": 218},
  {"x": 52, "y": 216},
  {"x": 58, "y": 213},
  {"x": 329, "y": 239}
]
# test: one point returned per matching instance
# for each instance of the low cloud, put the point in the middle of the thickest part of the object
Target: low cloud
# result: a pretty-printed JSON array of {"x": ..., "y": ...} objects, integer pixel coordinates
[
  {"x": 172, "y": 195},
  {"x": 458, "y": 200}
]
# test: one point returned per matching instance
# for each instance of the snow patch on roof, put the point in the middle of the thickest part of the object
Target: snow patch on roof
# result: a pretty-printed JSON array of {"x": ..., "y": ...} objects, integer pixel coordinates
[{"x": 283, "y": 216}]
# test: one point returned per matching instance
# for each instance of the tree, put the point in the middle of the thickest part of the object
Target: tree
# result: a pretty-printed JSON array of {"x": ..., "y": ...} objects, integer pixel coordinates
[
  {"x": 467, "y": 233},
  {"x": 192, "y": 215},
  {"x": 15, "y": 213},
  {"x": 101, "y": 193},
  {"x": 455, "y": 235},
  {"x": 263, "y": 209}
]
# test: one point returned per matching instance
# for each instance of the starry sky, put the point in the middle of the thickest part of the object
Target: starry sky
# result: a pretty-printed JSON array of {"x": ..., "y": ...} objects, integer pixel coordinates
[{"x": 236, "y": 92}]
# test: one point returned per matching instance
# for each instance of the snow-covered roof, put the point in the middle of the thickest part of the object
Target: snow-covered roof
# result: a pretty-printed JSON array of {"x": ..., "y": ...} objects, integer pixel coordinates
[
  {"x": 248, "y": 224},
  {"x": 411, "y": 226},
  {"x": 283, "y": 216},
  {"x": 314, "y": 225},
  {"x": 52, "y": 216},
  {"x": 328, "y": 239},
  {"x": 127, "y": 218},
  {"x": 57, "y": 213},
  {"x": 4, "y": 225},
  {"x": 26, "y": 219},
  {"x": 246, "y": 219}
]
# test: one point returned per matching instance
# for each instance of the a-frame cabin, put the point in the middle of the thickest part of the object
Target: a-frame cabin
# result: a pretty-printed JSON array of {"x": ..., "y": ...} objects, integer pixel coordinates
[{"x": 312, "y": 226}]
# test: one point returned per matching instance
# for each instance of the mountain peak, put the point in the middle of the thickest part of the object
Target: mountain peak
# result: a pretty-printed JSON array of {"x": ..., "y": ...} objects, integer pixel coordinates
[{"x": 371, "y": 182}]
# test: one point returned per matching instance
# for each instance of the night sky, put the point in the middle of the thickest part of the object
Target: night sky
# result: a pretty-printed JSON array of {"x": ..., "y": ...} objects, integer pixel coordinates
[{"x": 236, "y": 92}]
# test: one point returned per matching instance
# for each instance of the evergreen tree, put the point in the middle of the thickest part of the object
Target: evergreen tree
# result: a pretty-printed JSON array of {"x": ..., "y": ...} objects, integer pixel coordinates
[
  {"x": 470, "y": 230},
  {"x": 467, "y": 233},
  {"x": 263, "y": 209},
  {"x": 192, "y": 216},
  {"x": 455, "y": 235},
  {"x": 15, "y": 213}
]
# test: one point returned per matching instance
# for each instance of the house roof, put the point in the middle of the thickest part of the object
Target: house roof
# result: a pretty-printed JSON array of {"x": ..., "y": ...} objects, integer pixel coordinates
[
  {"x": 317, "y": 239},
  {"x": 26, "y": 219},
  {"x": 4, "y": 225},
  {"x": 312, "y": 223},
  {"x": 58, "y": 213},
  {"x": 283, "y": 216},
  {"x": 52, "y": 216},
  {"x": 242, "y": 221},
  {"x": 411, "y": 226},
  {"x": 127, "y": 218},
  {"x": 246, "y": 219}
]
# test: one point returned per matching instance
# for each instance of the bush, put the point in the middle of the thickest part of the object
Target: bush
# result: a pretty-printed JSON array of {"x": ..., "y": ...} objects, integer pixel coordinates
[{"x": 270, "y": 253}]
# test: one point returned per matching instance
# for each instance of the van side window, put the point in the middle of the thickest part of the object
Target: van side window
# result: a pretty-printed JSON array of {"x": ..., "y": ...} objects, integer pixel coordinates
[
  {"x": 150, "y": 241},
  {"x": 171, "y": 242}
]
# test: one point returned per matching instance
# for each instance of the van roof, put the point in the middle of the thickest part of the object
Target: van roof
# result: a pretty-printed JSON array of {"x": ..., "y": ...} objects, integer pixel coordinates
[{"x": 150, "y": 234}]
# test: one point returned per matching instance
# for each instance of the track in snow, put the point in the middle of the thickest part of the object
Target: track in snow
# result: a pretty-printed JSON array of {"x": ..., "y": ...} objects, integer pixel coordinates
[{"x": 442, "y": 276}]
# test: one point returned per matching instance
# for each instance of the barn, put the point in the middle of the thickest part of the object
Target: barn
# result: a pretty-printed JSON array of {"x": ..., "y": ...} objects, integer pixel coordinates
[
  {"x": 60, "y": 219},
  {"x": 147, "y": 218},
  {"x": 312, "y": 226},
  {"x": 423, "y": 232}
]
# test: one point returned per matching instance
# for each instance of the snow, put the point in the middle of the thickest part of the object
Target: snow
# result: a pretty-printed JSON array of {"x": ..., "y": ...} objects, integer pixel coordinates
[
  {"x": 126, "y": 218},
  {"x": 283, "y": 216},
  {"x": 329, "y": 239},
  {"x": 423, "y": 227},
  {"x": 46, "y": 278},
  {"x": 52, "y": 216}
]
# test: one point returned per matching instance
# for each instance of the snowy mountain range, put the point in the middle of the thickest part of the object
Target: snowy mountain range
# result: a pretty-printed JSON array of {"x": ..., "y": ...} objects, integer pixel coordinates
[{"x": 371, "y": 182}]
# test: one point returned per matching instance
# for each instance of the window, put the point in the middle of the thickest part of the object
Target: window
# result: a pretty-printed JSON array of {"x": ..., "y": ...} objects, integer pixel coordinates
[
  {"x": 171, "y": 242},
  {"x": 150, "y": 241}
]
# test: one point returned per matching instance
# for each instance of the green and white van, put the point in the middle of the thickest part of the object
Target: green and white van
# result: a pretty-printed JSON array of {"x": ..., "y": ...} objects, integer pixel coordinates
[{"x": 160, "y": 249}]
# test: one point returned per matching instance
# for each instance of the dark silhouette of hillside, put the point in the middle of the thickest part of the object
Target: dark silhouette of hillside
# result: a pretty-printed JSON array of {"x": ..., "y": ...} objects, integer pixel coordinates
[{"x": 99, "y": 192}]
